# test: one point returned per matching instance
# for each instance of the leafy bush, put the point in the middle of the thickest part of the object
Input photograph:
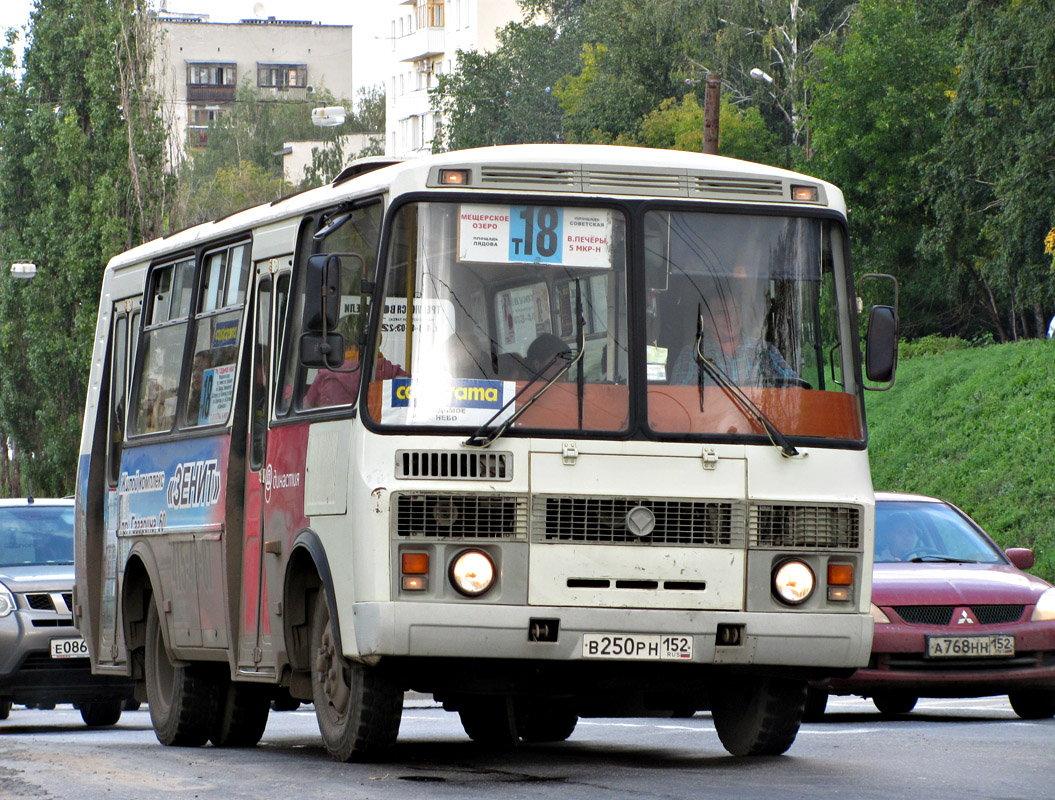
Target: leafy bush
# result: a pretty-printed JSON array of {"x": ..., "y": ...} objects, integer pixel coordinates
[
  {"x": 932, "y": 345},
  {"x": 975, "y": 426}
]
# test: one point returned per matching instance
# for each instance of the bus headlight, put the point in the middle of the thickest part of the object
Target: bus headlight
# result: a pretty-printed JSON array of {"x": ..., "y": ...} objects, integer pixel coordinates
[
  {"x": 793, "y": 582},
  {"x": 472, "y": 572}
]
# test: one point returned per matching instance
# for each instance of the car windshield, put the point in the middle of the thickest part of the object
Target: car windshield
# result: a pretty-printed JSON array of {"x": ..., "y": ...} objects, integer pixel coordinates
[
  {"x": 34, "y": 535},
  {"x": 922, "y": 531}
]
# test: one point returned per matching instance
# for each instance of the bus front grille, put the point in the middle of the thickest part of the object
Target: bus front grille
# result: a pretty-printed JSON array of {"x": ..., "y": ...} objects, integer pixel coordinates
[
  {"x": 460, "y": 516},
  {"x": 804, "y": 526},
  {"x": 604, "y": 520}
]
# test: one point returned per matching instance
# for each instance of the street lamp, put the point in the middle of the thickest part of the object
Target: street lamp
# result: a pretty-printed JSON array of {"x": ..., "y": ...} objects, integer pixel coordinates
[
  {"x": 762, "y": 76},
  {"x": 23, "y": 270}
]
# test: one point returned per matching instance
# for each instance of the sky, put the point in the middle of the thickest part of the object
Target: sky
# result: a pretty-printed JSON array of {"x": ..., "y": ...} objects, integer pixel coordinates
[{"x": 15, "y": 14}]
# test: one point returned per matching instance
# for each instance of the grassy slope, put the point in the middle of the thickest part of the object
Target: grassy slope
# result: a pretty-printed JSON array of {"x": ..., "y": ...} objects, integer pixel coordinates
[{"x": 976, "y": 427}]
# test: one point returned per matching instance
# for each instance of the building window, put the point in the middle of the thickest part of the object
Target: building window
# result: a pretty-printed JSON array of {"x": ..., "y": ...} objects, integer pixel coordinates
[
  {"x": 211, "y": 74},
  {"x": 430, "y": 14},
  {"x": 203, "y": 116},
  {"x": 281, "y": 76}
]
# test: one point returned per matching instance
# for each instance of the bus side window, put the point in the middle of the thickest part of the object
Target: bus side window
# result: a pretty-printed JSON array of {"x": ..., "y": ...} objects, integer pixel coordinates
[
  {"x": 355, "y": 243},
  {"x": 156, "y": 383},
  {"x": 210, "y": 390}
]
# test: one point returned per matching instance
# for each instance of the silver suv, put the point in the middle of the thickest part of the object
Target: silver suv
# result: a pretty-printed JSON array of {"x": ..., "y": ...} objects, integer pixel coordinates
[{"x": 43, "y": 659}]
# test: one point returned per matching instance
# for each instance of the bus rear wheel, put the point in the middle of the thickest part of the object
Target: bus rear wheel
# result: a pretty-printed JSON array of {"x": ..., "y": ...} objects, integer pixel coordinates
[
  {"x": 758, "y": 716},
  {"x": 546, "y": 722},
  {"x": 242, "y": 715},
  {"x": 183, "y": 698},
  {"x": 358, "y": 707},
  {"x": 490, "y": 721}
]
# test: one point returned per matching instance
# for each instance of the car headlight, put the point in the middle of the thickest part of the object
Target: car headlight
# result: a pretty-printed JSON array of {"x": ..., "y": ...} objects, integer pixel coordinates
[
  {"x": 7, "y": 601},
  {"x": 878, "y": 615},
  {"x": 472, "y": 572},
  {"x": 793, "y": 582},
  {"x": 1045, "y": 608}
]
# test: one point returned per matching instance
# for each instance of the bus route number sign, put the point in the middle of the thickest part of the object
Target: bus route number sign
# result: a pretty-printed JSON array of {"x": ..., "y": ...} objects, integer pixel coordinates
[{"x": 554, "y": 235}]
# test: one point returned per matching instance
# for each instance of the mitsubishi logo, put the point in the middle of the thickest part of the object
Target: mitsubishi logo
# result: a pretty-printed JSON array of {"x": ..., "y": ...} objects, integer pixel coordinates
[{"x": 965, "y": 618}]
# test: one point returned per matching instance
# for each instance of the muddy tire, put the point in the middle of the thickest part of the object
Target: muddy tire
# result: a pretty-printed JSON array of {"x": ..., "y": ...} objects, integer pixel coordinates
[
  {"x": 358, "y": 707},
  {"x": 758, "y": 716},
  {"x": 242, "y": 715},
  {"x": 183, "y": 698},
  {"x": 101, "y": 713}
]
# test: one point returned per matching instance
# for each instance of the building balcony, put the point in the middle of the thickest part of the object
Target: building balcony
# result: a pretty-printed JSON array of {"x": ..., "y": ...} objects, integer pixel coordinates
[
  {"x": 423, "y": 43},
  {"x": 210, "y": 93}
]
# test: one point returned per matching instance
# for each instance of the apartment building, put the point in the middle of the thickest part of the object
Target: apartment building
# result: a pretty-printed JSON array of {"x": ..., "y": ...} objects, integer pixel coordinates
[
  {"x": 423, "y": 38},
  {"x": 201, "y": 64}
]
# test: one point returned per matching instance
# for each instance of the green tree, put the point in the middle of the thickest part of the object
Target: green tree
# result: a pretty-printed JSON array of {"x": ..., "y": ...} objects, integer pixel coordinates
[
  {"x": 505, "y": 96},
  {"x": 81, "y": 179},
  {"x": 679, "y": 126},
  {"x": 991, "y": 180},
  {"x": 877, "y": 113}
]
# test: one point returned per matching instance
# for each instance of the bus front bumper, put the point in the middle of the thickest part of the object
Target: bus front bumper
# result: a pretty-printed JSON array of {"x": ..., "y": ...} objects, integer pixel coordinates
[{"x": 836, "y": 641}]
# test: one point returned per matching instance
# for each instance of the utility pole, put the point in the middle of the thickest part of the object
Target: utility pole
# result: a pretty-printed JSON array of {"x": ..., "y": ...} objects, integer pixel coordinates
[{"x": 712, "y": 96}]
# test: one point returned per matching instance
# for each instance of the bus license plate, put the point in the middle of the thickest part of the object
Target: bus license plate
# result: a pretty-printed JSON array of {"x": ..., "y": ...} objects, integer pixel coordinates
[
  {"x": 637, "y": 646},
  {"x": 69, "y": 648},
  {"x": 995, "y": 645}
]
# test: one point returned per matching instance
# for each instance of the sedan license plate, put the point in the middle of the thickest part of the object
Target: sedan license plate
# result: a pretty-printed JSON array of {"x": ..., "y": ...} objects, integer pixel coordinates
[
  {"x": 69, "y": 648},
  {"x": 995, "y": 645},
  {"x": 638, "y": 646}
]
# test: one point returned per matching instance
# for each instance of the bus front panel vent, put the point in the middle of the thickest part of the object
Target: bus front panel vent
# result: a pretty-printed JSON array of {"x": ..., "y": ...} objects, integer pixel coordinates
[{"x": 447, "y": 465}]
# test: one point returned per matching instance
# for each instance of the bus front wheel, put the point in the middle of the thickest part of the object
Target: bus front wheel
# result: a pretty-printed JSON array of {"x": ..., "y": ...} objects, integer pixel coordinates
[
  {"x": 183, "y": 698},
  {"x": 358, "y": 707},
  {"x": 758, "y": 716}
]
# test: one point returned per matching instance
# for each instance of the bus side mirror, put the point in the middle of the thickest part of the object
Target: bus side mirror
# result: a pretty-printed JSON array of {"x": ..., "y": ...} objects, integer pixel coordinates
[
  {"x": 322, "y": 350},
  {"x": 322, "y": 293},
  {"x": 881, "y": 345}
]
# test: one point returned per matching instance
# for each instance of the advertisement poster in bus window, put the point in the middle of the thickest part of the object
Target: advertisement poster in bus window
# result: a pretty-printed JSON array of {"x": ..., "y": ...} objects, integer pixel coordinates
[
  {"x": 553, "y": 235},
  {"x": 217, "y": 393},
  {"x": 523, "y": 314},
  {"x": 435, "y": 400},
  {"x": 433, "y": 321}
]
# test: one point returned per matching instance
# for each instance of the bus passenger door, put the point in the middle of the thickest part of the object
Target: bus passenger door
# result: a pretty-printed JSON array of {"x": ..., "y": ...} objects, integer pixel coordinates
[
  {"x": 124, "y": 321},
  {"x": 256, "y": 648}
]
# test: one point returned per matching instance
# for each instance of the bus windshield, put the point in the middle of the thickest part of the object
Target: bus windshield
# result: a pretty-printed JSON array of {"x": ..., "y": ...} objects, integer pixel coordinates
[
  {"x": 505, "y": 298},
  {"x": 527, "y": 306},
  {"x": 741, "y": 310}
]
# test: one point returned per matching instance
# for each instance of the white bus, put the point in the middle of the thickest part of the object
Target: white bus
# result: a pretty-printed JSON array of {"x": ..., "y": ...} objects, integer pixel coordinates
[{"x": 546, "y": 431}]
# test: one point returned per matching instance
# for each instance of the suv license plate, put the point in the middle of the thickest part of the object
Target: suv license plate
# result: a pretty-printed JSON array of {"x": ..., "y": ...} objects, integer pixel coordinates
[
  {"x": 995, "y": 645},
  {"x": 638, "y": 646},
  {"x": 69, "y": 648}
]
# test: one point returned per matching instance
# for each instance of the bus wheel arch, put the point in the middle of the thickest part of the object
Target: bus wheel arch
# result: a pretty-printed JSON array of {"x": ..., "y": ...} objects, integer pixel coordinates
[
  {"x": 137, "y": 589},
  {"x": 307, "y": 577}
]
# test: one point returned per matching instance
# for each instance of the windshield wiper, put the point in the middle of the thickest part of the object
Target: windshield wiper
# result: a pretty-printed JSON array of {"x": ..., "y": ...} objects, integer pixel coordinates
[
  {"x": 736, "y": 394},
  {"x": 944, "y": 560},
  {"x": 488, "y": 432}
]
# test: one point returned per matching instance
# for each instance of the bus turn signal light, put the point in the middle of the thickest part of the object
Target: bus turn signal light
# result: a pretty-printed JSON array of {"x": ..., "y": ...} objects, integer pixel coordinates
[
  {"x": 415, "y": 563},
  {"x": 840, "y": 574},
  {"x": 454, "y": 177}
]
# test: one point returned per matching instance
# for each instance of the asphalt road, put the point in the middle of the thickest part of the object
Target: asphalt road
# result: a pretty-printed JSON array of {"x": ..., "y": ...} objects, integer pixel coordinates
[{"x": 975, "y": 748}]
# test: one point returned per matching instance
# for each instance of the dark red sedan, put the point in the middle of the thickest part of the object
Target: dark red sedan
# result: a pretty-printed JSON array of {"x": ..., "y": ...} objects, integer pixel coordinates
[{"x": 955, "y": 616}]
